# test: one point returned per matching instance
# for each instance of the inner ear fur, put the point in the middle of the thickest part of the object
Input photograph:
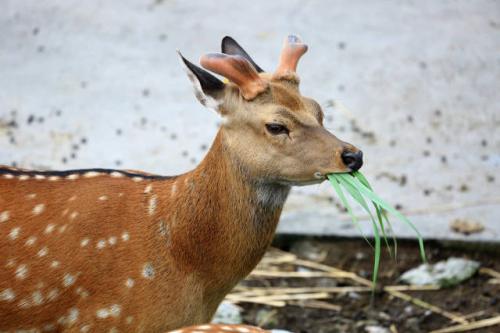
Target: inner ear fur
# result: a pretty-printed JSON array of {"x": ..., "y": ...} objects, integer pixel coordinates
[{"x": 208, "y": 89}]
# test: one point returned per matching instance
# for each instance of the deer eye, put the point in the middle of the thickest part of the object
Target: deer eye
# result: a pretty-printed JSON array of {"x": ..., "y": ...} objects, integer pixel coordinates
[{"x": 276, "y": 129}]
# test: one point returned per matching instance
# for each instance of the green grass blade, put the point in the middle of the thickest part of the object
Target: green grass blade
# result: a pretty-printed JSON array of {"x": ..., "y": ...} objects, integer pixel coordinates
[
  {"x": 359, "y": 198},
  {"x": 335, "y": 183},
  {"x": 380, "y": 216},
  {"x": 368, "y": 193}
]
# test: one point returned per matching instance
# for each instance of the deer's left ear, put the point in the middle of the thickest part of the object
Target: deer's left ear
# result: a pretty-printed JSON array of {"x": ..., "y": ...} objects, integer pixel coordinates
[{"x": 208, "y": 89}]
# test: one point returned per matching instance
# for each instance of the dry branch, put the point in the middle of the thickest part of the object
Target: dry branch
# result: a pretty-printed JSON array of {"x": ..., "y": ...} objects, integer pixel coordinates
[{"x": 470, "y": 326}]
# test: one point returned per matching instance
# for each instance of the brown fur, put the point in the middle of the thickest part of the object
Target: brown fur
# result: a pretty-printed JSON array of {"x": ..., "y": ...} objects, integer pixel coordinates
[{"x": 145, "y": 253}]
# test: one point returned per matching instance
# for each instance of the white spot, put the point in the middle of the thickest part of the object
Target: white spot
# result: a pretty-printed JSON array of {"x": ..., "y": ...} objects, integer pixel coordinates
[
  {"x": 84, "y": 242},
  {"x": 148, "y": 271},
  {"x": 21, "y": 272},
  {"x": 62, "y": 228},
  {"x": 174, "y": 189},
  {"x": 14, "y": 233},
  {"x": 7, "y": 295},
  {"x": 148, "y": 188},
  {"x": 31, "y": 196},
  {"x": 73, "y": 215},
  {"x": 129, "y": 320},
  {"x": 116, "y": 174},
  {"x": 54, "y": 264},
  {"x": 40, "y": 285},
  {"x": 120, "y": 194},
  {"x": 163, "y": 228},
  {"x": 91, "y": 174},
  {"x": 85, "y": 328},
  {"x": 72, "y": 198},
  {"x": 24, "y": 177},
  {"x": 30, "y": 241},
  {"x": 112, "y": 240},
  {"x": 72, "y": 315},
  {"x": 114, "y": 310},
  {"x": 39, "y": 177},
  {"x": 103, "y": 198},
  {"x": 113, "y": 330},
  {"x": 65, "y": 212},
  {"x": 38, "y": 209},
  {"x": 101, "y": 244},
  {"x": 48, "y": 328},
  {"x": 204, "y": 327},
  {"x": 52, "y": 294},
  {"x": 4, "y": 216},
  {"x": 152, "y": 205},
  {"x": 49, "y": 228},
  {"x": 125, "y": 236},
  {"x": 73, "y": 176},
  {"x": 129, "y": 283},
  {"x": 82, "y": 292},
  {"x": 8, "y": 176},
  {"x": 137, "y": 179},
  {"x": 54, "y": 178},
  {"x": 68, "y": 280},
  {"x": 37, "y": 297},
  {"x": 242, "y": 329},
  {"x": 43, "y": 252}
]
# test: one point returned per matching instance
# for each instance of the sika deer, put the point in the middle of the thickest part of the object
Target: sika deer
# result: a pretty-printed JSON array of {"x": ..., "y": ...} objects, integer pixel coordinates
[{"x": 108, "y": 250}]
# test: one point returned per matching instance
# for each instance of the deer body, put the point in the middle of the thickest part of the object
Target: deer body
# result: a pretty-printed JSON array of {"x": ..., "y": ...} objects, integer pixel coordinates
[
  {"x": 107, "y": 250},
  {"x": 182, "y": 246}
]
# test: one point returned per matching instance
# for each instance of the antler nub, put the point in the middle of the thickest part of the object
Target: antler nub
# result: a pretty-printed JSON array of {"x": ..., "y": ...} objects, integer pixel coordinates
[{"x": 293, "y": 49}]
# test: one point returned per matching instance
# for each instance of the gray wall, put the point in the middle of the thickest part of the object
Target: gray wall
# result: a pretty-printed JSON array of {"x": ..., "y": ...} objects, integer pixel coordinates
[{"x": 415, "y": 84}]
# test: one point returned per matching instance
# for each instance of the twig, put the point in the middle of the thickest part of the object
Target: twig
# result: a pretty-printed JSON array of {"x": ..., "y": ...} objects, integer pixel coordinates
[
  {"x": 273, "y": 298},
  {"x": 259, "y": 291},
  {"x": 490, "y": 272},
  {"x": 470, "y": 326},
  {"x": 282, "y": 274},
  {"x": 425, "y": 305},
  {"x": 317, "y": 305}
]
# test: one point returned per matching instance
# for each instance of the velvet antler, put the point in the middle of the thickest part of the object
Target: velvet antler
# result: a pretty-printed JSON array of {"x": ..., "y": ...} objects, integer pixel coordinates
[
  {"x": 238, "y": 70},
  {"x": 292, "y": 50}
]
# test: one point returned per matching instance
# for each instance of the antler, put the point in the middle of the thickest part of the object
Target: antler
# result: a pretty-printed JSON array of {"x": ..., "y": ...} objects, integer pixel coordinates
[
  {"x": 238, "y": 70},
  {"x": 292, "y": 50}
]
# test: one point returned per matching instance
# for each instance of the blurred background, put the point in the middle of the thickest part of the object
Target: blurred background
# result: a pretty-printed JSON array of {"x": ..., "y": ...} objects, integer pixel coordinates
[{"x": 414, "y": 84}]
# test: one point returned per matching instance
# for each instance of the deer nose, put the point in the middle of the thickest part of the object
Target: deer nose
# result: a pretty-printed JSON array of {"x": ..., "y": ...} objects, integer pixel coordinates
[{"x": 353, "y": 161}]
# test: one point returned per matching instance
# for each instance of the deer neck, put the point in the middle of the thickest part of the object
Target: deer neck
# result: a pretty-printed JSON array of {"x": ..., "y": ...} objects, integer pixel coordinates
[{"x": 225, "y": 219}]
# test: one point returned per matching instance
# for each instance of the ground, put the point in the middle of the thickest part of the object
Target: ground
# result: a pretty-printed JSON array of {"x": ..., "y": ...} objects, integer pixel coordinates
[{"x": 355, "y": 311}]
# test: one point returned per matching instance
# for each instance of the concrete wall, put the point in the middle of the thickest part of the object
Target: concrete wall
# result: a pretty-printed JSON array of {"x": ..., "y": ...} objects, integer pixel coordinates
[{"x": 415, "y": 84}]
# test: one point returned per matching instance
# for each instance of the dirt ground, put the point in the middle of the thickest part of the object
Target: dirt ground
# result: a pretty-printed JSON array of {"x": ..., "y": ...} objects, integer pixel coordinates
[{"x": 357, "y": 312}]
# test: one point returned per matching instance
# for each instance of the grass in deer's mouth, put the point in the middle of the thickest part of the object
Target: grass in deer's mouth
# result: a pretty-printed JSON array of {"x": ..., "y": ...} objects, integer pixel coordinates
[{"x": 360, "y": 190}]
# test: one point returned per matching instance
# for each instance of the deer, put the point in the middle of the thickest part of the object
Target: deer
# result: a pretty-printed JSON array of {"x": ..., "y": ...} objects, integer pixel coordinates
[{"x": 104, "y": 250}]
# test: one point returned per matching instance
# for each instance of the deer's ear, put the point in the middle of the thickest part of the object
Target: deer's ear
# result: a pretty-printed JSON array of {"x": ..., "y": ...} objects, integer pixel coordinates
[
  {"x": 208, "y": 89},
  {"x": 231, "y": 47}
]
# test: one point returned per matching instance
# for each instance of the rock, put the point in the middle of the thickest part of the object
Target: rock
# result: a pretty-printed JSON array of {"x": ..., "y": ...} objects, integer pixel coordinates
[
  {"x": 228, "y": 313},
  {"x": 266, "y": 317},
  {"x": 309, "y": 250},
  {"x": 444, "y": 273},
  {"x": 376, "y": 329},
  {"x": 466, "y": 227}
]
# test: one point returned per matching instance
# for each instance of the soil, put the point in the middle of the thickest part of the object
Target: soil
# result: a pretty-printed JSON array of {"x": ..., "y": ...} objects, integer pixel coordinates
[{"x": 358, "y": 311}]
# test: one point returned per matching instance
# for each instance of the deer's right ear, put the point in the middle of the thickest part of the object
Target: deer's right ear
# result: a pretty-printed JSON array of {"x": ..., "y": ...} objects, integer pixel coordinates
[{"x": 208, "y": 89}]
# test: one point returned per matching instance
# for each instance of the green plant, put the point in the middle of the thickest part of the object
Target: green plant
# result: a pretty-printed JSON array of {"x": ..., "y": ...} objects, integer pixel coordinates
[{"x": 359, "y": 188}]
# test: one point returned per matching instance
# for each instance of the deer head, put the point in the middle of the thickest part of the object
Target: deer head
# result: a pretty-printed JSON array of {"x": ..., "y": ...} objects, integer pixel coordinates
[{"x": 273, "y": 132}]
